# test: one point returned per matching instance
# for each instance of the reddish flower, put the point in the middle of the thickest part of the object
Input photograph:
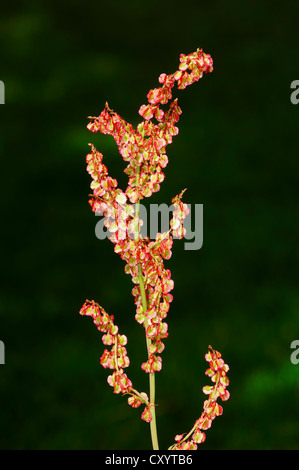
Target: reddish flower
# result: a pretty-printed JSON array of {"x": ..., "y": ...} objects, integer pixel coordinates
[
  {"x": 217, "y": 371},
  {"x": 147, "y": 415}
]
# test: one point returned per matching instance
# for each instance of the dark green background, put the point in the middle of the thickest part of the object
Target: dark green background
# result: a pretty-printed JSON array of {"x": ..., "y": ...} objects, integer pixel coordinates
[{"x": 237, "y": 152}]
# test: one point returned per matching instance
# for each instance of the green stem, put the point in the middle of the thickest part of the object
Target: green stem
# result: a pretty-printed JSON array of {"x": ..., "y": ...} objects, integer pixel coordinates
[{"x": 153, "y": 424}]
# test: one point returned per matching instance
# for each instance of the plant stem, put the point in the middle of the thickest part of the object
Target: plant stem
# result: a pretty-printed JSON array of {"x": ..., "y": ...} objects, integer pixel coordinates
[{"x": 153, "y": 424}]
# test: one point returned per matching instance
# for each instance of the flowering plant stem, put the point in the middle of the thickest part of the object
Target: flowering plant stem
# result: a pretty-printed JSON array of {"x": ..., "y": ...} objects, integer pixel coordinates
[
  {"x": 152, "y": 386},
  {"x": 144, "y": 150}
]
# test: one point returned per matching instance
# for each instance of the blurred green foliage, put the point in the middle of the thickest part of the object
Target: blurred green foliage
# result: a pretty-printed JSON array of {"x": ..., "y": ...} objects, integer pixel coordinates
[{"x": 236, "y": 152}]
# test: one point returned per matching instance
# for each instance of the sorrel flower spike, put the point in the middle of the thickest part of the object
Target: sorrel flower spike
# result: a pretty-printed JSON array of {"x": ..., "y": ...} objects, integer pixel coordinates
[
  {"x": 144, "y": 150},
  {"x": 217, "y": 372}
]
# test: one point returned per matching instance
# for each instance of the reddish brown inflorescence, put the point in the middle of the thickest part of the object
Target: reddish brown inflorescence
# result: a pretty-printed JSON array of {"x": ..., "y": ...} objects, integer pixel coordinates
[
  {"x": 144, "y": 151},
  {"x": 217, "y": 372}
]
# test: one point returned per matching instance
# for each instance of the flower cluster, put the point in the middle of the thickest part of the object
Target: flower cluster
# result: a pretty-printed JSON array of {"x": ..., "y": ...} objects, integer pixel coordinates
[
  {"x": 140, "y": 254},
  {"x": 144, "y": 148},
  {"x": 180, "y": 212},
  {"x": 115, "y": 359},
  {"x": 144, "y": 151},
  {"x": 197, "y": 63},
  {"x": 217, "y": 372}
]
